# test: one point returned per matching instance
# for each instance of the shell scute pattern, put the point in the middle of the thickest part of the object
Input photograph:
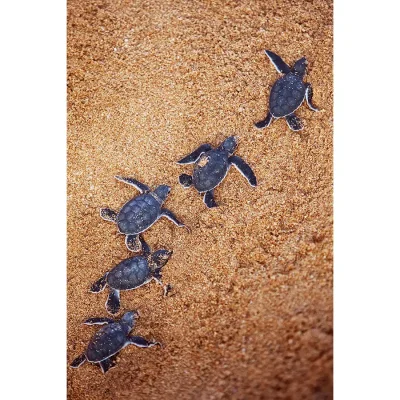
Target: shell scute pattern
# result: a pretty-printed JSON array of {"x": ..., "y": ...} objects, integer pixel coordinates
[
  {"x": 286, "y": 95},
  {"x": 209, "y": 175},
  {"x": 138, "y": 214},
  {"x": 106, "y": 342},
  {"x": 129, "y": 274}
]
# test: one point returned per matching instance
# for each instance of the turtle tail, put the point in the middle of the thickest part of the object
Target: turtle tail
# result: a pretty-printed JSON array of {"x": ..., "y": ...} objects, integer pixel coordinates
[{"x": 100, "y": 284}]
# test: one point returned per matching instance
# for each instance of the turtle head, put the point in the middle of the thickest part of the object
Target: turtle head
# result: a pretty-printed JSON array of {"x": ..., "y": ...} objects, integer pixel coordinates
[
  {"x": 129, "y": 319},
  {"x": 159, "y": 258},
  {"x": 162, "y": 192},
  {"x": 300, "y": 67},
  {"x": 230, "y": 144}
]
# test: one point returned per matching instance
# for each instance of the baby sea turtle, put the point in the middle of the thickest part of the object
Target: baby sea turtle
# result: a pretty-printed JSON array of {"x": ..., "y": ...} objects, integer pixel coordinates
[
  {"x": 211, "y": 167},
  {"x": 140, "y": 213},
  {"x": 109, "y": 340},
  {"x": 131, "y": 274},
  {"x": 287, "y": 93}
]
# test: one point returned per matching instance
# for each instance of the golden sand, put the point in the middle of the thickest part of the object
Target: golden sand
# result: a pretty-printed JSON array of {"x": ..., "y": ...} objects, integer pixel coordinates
[{"x": 251, "y": 312}]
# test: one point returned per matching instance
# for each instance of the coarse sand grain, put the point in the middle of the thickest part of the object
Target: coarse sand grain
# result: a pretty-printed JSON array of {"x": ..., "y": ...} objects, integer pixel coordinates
[{"x": 251, "y": 313}]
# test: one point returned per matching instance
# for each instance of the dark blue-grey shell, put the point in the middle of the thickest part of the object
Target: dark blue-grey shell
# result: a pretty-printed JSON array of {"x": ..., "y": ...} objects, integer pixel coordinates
[
  {"x": 287, "y": 94},
  {"x": 108, "y": 340},
  {"x": 129, "y": 273},
  {"x": 138, "y": 214},
  {"x": 210, "y": 170}
]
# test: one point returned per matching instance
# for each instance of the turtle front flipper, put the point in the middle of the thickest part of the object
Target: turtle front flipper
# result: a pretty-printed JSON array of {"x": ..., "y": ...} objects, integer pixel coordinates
[
  {"x": 279, "y": 64},
  {"x": 113, "y": 302},
  {"x": 193, "y": 157},
  {"x": 108, "y": 363},
  {"x": 99, "y": 285},
  {"x": 208, "y": 199},
  {"x": 108, "y": 214},
  {"x": 172, "y": 217},
  {"x": 244, "y": 169},
  {"x": 133, "y": 243},
  {"x": 99, "y": 321},
  {"x": 294, "y": 122},
  {"x": 141, "y": 342},
  {"x": 185, "y": 180},
  {"x": 309, "y": 95},
  {"x": 78, "y": 361},
  {"x": 133, "y": 182},
  {"x": 265, "y": 123}
]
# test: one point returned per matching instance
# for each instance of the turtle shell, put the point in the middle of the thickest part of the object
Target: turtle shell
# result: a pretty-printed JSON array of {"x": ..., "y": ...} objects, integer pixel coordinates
[
  {"x": 129, "y": 274},
  {"x": 287, "y": 94},
  {"x": 108, "y": 340},
  {"x": 210, "y": 170},
  {"x": 138, "y": 214}
]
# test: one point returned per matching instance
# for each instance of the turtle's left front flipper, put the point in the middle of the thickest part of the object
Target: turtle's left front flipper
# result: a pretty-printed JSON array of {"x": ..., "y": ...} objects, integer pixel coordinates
[
  {"x": 244, "y": 169},
  {"x": 108, "y": 363},
  {"x": 141, "y": 342},
  {"x": 309, "y": 95}
]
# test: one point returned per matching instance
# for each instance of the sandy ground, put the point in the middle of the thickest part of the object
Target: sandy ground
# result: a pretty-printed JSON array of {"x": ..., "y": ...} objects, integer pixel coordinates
[{"x": 148, "y": 82}]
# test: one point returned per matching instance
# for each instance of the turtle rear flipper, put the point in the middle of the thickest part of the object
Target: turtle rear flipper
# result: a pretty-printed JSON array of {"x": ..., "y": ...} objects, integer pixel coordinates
[
  {"x": 133, "y": 243},
  {"x": 145, "y": 247},
  {"x": 108, "y": 214},
  {"x": 309, "y": 95},
  {"x": 99, "y": 285},
  {"x": 113, "y": 302},
  {"x": 279, "y": 64},
  {"x": 78, "y": 361},
  {"x": 194, "y": 156},
  {"x": 209, "y": 199},
  {"x": 108, "y": 363},
  {"x": 266, "y": 122},
  {"x": 294, "y": 122},
  {"x": 185, "y": 180},
  {"x": 133, "y": 182},
  {"x": 244, "y": 169}
]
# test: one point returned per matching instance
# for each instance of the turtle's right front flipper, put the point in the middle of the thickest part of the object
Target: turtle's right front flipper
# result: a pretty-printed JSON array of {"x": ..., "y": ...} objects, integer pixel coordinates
[
  {"x": 193, "y": 157},
  {"x": 279, "y": 64},
  {"x": 265, "y": 122},
  {"x": 78, "y": 361}
]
